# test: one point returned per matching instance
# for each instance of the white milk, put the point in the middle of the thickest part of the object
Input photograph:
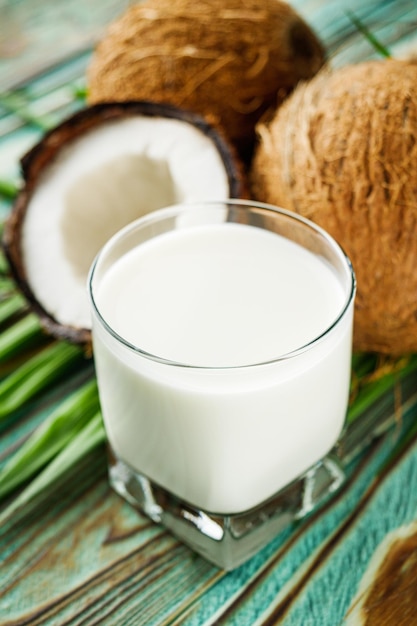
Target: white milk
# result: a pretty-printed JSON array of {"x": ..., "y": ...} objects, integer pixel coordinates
[{"x": 233, "y": 429}]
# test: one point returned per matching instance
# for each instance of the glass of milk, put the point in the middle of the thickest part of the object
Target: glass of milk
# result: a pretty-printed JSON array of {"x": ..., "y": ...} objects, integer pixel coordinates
[{"x": 222, "y": 337}]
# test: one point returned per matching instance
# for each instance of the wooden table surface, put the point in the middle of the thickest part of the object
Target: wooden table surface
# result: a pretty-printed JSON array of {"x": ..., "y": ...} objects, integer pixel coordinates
[{"x": 79, "y": 554}]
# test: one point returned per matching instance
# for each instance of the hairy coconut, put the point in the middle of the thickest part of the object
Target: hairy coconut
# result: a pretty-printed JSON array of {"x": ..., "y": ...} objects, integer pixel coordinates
[
  {"x": 342, "y": 151},
  {"x": 91, "y": 175},
  {"x": 228, "y": 60}
]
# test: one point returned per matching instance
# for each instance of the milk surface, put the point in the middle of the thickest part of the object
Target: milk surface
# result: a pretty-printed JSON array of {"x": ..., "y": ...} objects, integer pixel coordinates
[
  {"x": 220, "y": 295},
  {"x": 222, "y": 435}
]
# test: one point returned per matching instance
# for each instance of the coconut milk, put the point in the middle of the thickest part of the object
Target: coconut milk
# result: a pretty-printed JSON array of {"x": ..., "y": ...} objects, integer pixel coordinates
[{"x": 204, "y": 406}]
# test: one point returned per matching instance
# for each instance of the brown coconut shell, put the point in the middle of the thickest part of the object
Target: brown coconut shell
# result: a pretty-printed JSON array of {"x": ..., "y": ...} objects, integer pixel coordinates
[
  {"x": 228, "y": 60},
  {"x": 42, "y": 156},
  {"x": 342, "y": 151},
  {"x": 387, "y": 591}
]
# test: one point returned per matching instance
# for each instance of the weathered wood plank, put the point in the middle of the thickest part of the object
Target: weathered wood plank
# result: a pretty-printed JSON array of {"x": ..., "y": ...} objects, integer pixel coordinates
[{"x": 81, "y": 555}]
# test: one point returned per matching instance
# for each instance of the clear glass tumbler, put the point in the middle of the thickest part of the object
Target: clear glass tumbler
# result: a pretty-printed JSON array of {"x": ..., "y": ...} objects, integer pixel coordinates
[{"x": 226, "y": 449}]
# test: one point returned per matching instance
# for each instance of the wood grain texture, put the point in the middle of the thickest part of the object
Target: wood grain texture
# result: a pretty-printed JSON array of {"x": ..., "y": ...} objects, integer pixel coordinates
[{"x": 80, "y": 555}]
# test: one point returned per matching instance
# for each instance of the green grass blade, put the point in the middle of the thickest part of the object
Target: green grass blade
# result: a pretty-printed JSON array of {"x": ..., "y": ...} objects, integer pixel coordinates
[
  {"x": 16, "y": 103},
  {"x": 35, "y": 375},
  {"x": 80, "y": 92},
  {"x": 8, "y": 189},
  {"x": 7, "y": 287},
  {"x": 91, "y": 436},
  {"x": 13, "y": 305},
  {"x": 371, "y": 391},
  {"x": 375, "y": 43},
  {"x": 22, "y": 334},
  {"x": 57, "y": 431},
  {"x": 363, "y": 363},
  {"x": 8, "y": 282}
]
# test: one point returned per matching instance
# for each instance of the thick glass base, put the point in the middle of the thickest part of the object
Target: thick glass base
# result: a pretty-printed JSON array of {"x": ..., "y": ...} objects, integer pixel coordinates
[{"x": 227, "y": 540}]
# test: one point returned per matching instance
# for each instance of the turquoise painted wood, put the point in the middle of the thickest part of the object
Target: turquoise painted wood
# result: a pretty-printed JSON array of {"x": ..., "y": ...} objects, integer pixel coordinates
[{"x": 79, "y": 554}]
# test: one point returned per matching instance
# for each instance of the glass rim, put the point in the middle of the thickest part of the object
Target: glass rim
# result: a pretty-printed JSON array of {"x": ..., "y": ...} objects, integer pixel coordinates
[{"x": 171, "y": 211}]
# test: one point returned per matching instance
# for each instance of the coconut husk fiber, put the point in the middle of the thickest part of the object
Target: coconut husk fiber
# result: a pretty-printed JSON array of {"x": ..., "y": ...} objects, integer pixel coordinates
[
  {"x": 228, "y": 60},
  {"x": 342, "y": 151}
]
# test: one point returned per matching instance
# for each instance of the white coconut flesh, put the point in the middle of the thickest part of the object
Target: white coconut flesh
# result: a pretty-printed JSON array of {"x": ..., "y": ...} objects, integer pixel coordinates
[{"x": 112, "y": 175}]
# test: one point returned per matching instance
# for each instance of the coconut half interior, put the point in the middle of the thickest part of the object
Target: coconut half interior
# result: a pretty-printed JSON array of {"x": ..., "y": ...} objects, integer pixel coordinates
[{"x": 98, "y": 183}]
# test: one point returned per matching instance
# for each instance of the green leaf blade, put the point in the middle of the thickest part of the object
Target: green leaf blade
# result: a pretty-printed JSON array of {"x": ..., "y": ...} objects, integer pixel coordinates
[{"x": 52, "y": 436}]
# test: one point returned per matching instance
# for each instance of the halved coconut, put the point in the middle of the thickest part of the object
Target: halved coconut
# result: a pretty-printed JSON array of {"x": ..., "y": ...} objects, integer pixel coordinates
[{"x": 90, "y": 176}]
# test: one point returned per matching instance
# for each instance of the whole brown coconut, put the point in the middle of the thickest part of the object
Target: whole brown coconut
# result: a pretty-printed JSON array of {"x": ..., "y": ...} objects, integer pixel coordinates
[
  {"x": 342, "y": 151},
  {"x": 228, "y": 60}
]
